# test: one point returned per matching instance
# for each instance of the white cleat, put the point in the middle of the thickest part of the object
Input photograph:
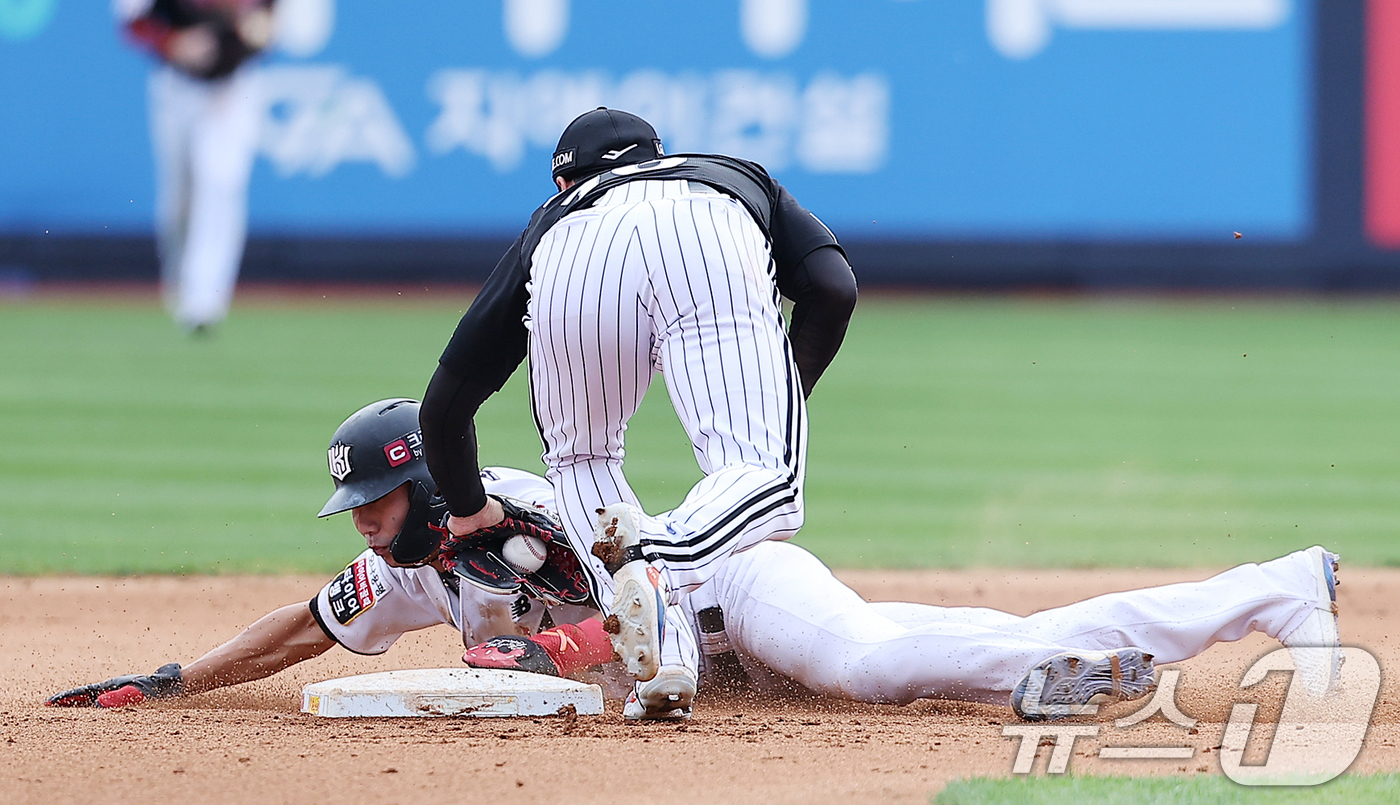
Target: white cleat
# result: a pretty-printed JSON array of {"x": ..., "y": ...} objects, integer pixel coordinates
[
  {"x": 1315, "y": 645},
  {"x": 637, "y": 618},
  {"x": 1074, "y": 682},
  {"x": 666, "y": 697},
  {"x": 617, "y": 536}
]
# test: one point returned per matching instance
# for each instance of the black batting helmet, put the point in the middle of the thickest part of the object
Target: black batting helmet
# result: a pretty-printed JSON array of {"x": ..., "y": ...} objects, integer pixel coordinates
[
  {"x": 604, "y": 139},
  {"x": 374, "y": 452}
]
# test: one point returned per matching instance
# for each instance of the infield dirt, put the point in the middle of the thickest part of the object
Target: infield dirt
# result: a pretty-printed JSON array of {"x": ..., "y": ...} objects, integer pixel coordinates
[{"x": 252, "y": 745}]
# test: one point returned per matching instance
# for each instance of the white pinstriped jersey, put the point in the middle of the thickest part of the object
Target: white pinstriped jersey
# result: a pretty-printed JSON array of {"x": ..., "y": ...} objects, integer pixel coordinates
[
  {"x": 673, "y": 277},
  {"x": 492, "y": 339},
  {"x": 673, "y": 266}
]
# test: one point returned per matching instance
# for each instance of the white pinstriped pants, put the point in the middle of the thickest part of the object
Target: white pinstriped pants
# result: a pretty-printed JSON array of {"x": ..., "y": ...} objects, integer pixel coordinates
[{"x": 663, "y": 276}]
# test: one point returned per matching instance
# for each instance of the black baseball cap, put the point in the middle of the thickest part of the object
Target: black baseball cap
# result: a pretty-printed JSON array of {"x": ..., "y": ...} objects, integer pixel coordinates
[{"x": 603, "y": 139}]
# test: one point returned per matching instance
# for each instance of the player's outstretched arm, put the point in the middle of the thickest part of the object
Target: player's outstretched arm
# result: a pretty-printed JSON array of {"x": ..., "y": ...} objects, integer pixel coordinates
[{"x": 280, "y": 639}]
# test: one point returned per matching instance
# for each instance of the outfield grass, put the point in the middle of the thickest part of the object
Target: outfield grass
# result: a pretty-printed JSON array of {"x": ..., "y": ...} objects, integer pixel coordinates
[
  {"x": 1072, "y": 790},
  {"x": 948, "y": 432}
]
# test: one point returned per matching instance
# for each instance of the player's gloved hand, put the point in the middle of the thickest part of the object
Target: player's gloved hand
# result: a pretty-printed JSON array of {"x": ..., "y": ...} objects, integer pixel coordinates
[
  {"x": 463, "y": 527},
  {"x": 476, "y": 556},
  {"x": 561, "y": 579},
  {"x": 484, "y": 568},
  {"x": 123, "y": 690},
  {"x": 511, "y": 653},
  {"x": 560, "y": 651},
  {"x": 518, "y": 517}
]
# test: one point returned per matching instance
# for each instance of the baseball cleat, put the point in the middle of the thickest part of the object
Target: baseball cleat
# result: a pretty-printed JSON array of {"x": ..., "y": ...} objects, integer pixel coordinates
[
  {"x": 637, "y": 619},
  {"x": 666, "y": 697},
  {"x": 616, "y": 537},
  {"x": 1074, "y": 682},
  {"x": 1315, "y": 645}
]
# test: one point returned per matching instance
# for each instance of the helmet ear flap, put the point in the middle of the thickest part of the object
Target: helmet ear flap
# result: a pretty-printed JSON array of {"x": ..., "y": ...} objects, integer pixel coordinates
[{"x": 422, "y": 533}]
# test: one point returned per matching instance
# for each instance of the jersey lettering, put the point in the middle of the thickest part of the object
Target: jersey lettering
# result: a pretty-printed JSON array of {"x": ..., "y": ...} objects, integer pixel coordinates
[
  {"x": 581, "y": 191},
  {"x": 745, "y": 181},
  {"x": 635, "y": 168},
  {"x": 355, "y": 590}
]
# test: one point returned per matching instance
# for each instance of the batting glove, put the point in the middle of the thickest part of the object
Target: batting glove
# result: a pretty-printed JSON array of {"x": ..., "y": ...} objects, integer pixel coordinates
[{"x": 123, "y": 690}]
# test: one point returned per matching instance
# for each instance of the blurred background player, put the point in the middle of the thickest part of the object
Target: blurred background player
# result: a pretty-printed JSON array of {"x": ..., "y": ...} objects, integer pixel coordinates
[{"x": 205, "y": 104}]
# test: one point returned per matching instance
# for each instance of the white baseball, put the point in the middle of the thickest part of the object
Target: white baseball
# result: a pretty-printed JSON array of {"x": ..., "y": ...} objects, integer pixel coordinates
[{"x": 526, "y": 554}]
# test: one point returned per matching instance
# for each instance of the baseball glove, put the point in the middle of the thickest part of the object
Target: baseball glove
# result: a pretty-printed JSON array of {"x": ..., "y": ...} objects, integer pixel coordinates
[
  {"x": 123, "y": 690},
  {"x": 484, "y": 568},
  {"x": 520, "y": 518},
  {"x": 561, "y": 579},
  {"x": 476, "y": 557}
]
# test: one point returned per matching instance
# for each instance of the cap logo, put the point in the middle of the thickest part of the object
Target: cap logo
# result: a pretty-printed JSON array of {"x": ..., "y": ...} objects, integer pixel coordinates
[
  {"x": 563, "y": 159},
  {"x": 339, "y": 458},
  {"x": 611, "y": 155}
]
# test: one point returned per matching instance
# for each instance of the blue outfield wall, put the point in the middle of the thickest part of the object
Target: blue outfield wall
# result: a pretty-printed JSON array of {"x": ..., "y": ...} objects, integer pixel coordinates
[{"x": 969, "y": 143}]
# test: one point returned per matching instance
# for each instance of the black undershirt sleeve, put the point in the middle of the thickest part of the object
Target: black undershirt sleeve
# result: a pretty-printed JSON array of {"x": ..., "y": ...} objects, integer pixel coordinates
[
  {"x": 823, "y": 291},
  {"x": 449, "y": 439},
  {"x": 813, "y": 272},
  {"x": 488, "y": 345}
]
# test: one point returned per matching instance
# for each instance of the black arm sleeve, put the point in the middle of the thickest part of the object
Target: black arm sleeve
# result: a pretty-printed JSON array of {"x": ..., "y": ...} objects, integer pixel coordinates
[
  {"x": 489, "y": 343},
  {"x": 449, "y": 439},
  {"x": 813, "y": 272},
  {"x": 823, "y": 290}
]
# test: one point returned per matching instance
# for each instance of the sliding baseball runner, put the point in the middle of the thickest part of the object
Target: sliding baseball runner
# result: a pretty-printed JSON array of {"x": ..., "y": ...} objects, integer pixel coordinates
[{"x": 770, "y": 614}]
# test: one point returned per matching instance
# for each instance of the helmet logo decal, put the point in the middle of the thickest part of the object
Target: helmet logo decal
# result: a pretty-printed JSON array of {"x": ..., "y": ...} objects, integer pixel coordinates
[
  {"x": 404, "y": 449},
  {"x": 339, "y": 456},
  {"x": 397, "y": 452}
]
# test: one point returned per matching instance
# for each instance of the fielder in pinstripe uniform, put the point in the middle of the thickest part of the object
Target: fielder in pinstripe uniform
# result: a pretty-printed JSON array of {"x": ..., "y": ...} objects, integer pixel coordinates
[{"x": 647, "y": 263}]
